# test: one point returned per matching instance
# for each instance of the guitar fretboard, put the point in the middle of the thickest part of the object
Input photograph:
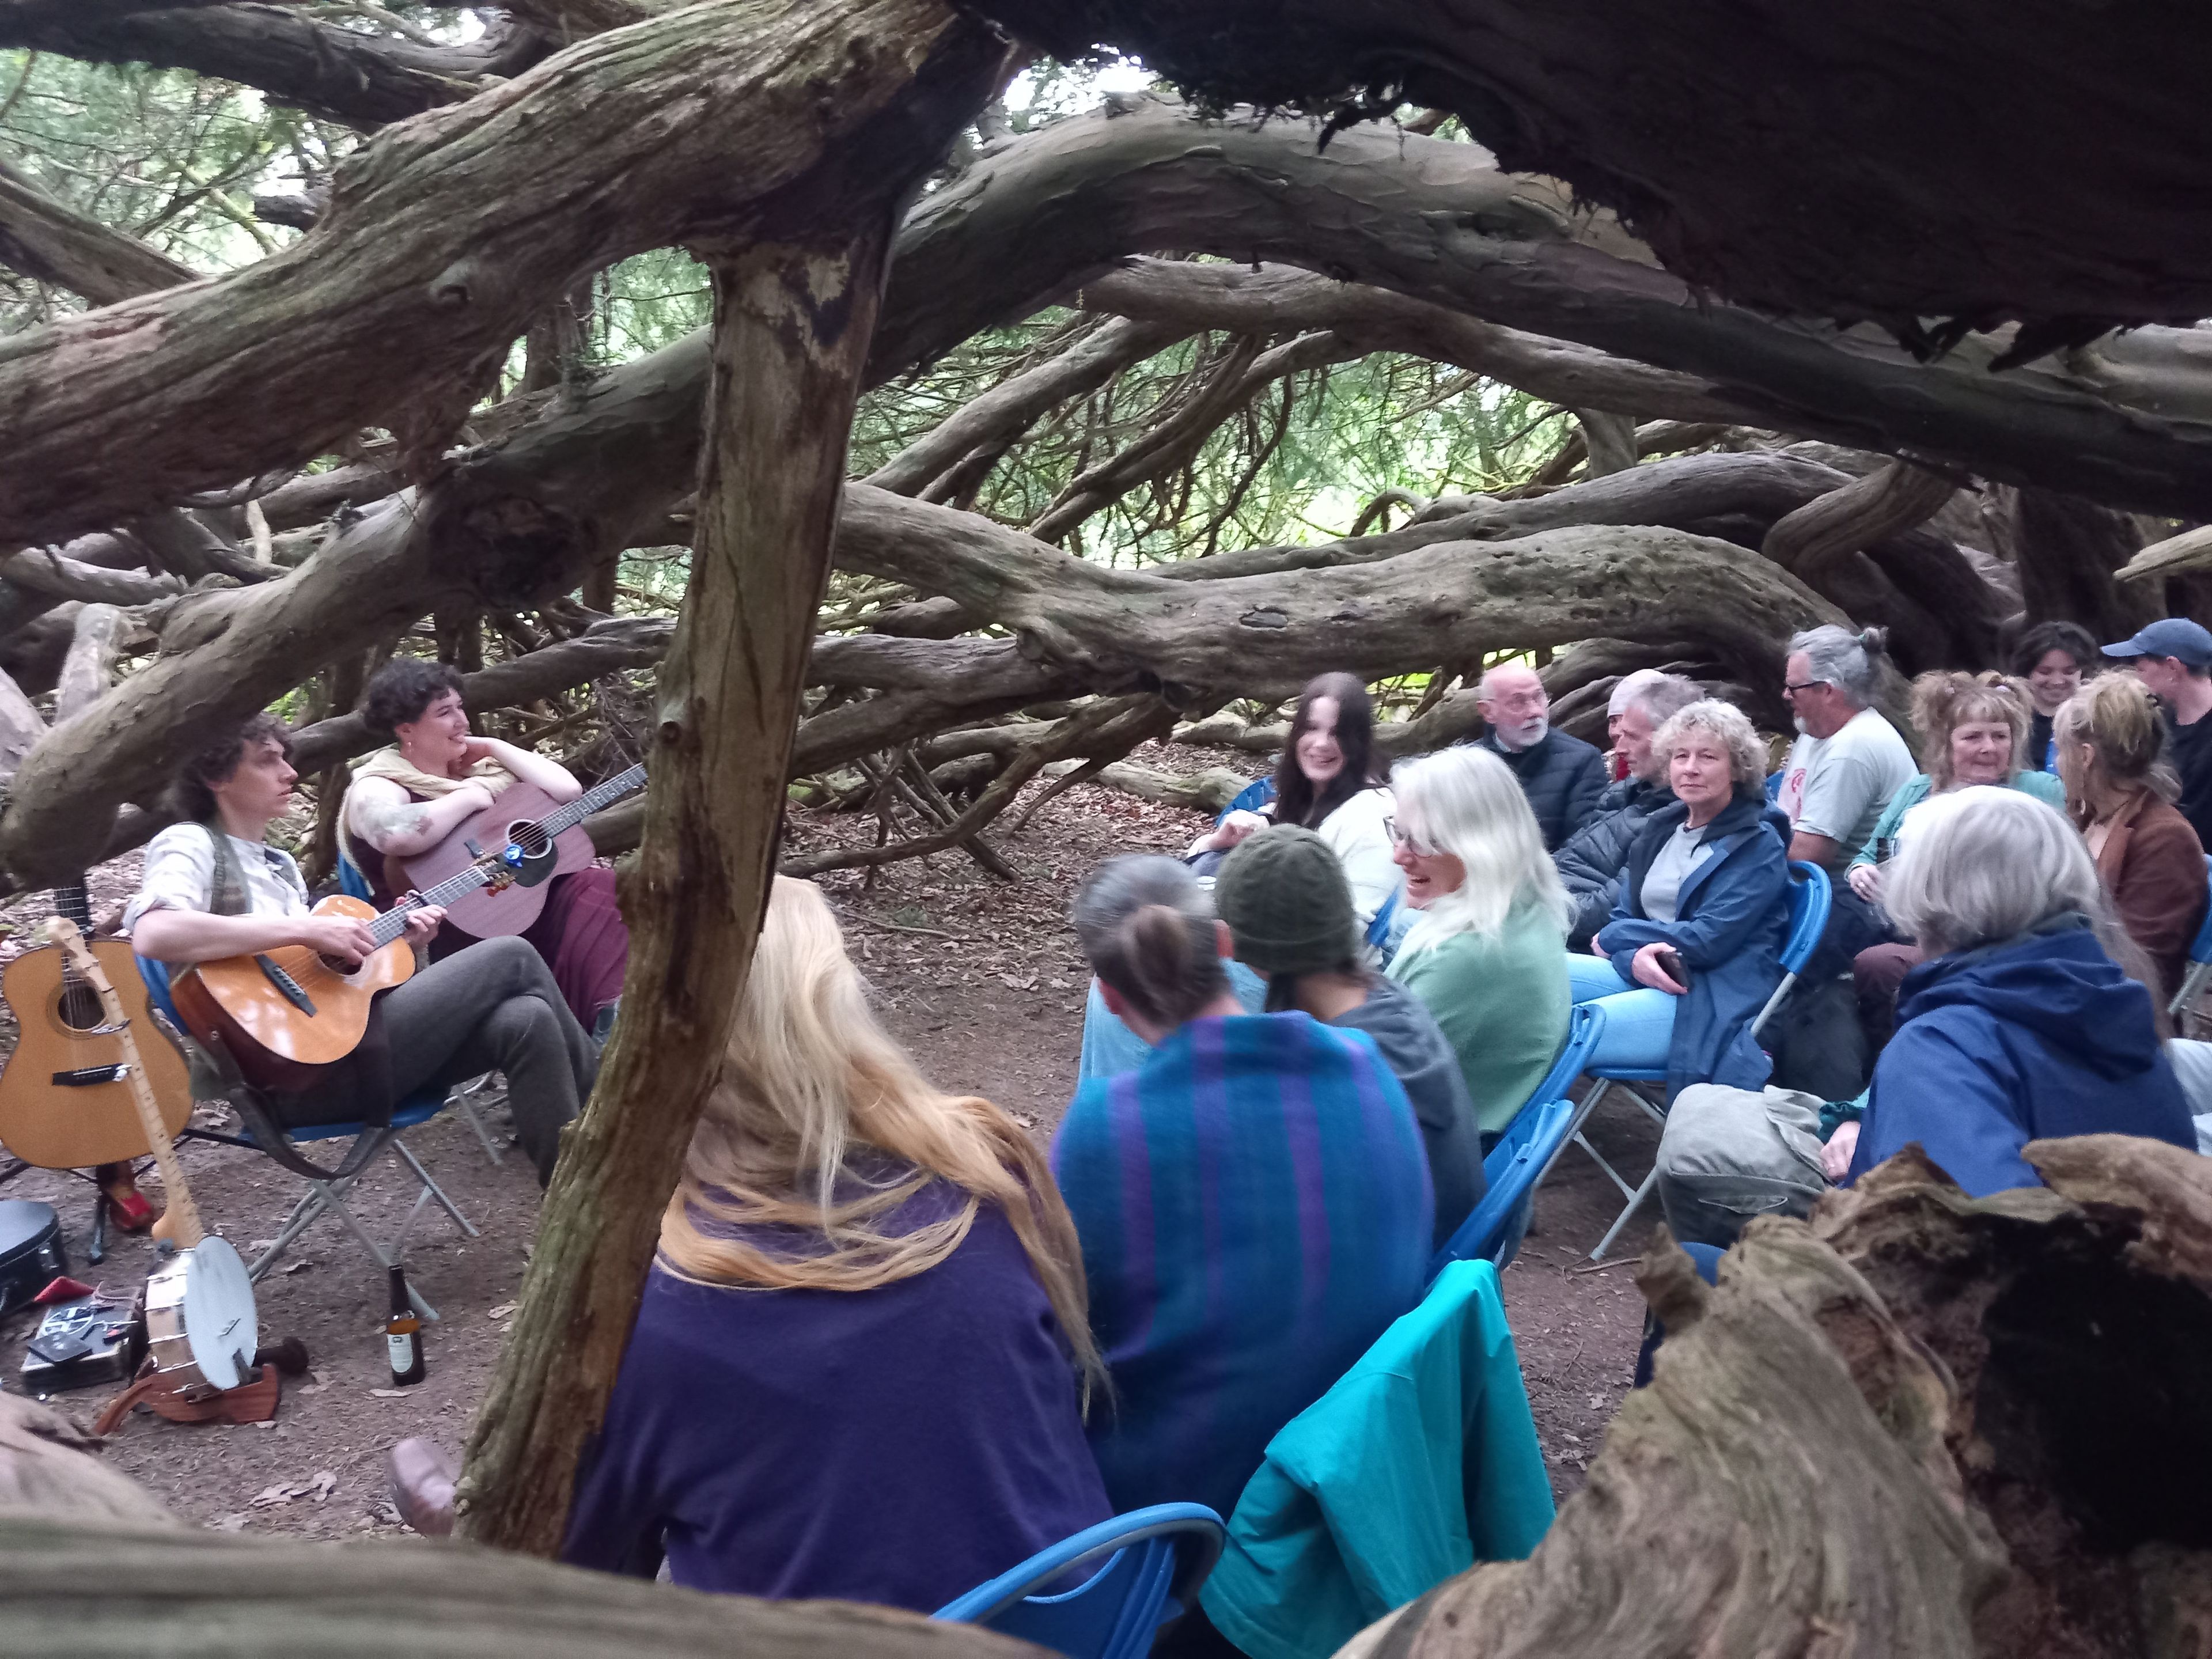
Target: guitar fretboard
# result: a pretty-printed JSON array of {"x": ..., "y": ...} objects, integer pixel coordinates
[{"x": 393, "y": 922}]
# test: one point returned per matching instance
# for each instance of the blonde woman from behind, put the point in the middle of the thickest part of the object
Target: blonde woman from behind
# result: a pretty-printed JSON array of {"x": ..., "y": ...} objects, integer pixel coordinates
[
  {"x": 1486, "y": 953},
  {"x": 859, "y": 1364}
]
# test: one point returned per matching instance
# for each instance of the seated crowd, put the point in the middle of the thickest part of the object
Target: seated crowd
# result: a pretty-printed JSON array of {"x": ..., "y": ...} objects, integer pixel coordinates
[{"x": 888, "y": 1348}]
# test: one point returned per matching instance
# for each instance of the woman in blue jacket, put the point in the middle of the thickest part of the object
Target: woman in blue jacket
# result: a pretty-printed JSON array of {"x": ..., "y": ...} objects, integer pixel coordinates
[
  {"x": 1704, "y": 907},
  {"x": 2021, "y": 1025}
]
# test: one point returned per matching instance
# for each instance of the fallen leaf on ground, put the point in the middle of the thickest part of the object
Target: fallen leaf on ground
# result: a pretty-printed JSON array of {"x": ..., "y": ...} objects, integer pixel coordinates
[
  {"x": 296, "y": 1266},
  {"x": 269, "y": 1497},
  {"x": 389, "y": 1394},
  {"x": 325, "y": 1481},
  {"x": 227, "y": 1523},
  {"x": 502, "y": 1311}
]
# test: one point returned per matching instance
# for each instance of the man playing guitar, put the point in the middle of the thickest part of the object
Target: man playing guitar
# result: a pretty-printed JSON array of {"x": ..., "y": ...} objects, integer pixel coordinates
[
  {"x": 430, "y": 781},
  {"x": 212, "y": 888}
]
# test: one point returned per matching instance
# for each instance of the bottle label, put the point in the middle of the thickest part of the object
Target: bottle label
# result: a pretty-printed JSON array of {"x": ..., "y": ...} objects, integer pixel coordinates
[{"x": 402, "y": 1353}]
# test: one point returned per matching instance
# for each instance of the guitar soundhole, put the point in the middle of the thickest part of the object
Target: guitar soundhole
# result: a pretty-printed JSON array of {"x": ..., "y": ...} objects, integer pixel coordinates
[
  {"x": 530, "y": 837},
  {"x": 80, "y": 1008}
]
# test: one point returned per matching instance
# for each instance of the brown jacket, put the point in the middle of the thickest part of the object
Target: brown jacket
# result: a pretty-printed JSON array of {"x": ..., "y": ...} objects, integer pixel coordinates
[{"x": 2153, "y": 866}]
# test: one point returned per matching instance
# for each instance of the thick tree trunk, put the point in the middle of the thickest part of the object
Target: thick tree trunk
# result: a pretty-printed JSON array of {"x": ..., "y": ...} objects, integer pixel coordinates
[
  {"x": 792, "y": 329},
  {"x": 1921, "y": 1426},
  {"x": 2068, "y": 553}
]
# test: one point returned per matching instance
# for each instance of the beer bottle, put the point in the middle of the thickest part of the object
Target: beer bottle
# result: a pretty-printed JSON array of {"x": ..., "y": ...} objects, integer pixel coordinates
[{"x": 403, "y": 1335}]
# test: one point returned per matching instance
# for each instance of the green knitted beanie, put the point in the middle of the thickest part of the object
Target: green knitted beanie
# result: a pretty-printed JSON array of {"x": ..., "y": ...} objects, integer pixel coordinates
[{"x": 1284, "y": 895}]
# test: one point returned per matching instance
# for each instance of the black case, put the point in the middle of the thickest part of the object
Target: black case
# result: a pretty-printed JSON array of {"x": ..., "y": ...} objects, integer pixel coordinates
[{"x": 30, "y": 1251}]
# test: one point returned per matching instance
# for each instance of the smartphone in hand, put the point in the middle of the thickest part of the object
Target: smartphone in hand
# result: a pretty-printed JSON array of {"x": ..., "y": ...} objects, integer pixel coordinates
[{"x": 1670, "y": 963}]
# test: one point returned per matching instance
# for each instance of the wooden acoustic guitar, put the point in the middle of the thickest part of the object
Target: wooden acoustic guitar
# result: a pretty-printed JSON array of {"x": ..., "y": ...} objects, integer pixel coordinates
[
  {"x": 201, "y": 1327},
  {"x": 283, "y": 1015},
  {"x": 69, "y": 1093},
  {"x": 540, "y": 840}
]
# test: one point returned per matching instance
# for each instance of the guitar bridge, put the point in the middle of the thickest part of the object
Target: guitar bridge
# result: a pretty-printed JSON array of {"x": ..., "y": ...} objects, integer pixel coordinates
[
  {"x": 86, "y": 1077},
  {"x": 286, "y": 987}
]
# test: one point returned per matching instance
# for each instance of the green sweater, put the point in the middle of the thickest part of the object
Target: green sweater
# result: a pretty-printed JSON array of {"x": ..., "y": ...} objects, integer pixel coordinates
[
  {"x": 1502, "y": 1003},
  {"x": 1881, "y": 844}
]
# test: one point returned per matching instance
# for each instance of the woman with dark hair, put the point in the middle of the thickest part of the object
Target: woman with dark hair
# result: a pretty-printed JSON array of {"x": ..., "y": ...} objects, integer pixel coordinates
[
  {"x": 2052, "y": 657},
  {"x": 1253, "y": 1202},
  {"x": 1326, "y": 781},
  {"x": 432, "y": 778}
]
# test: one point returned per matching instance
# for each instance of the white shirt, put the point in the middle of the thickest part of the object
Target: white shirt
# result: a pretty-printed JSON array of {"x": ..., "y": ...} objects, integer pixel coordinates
[
  {"x": 1838, "y": 786},
  {"x": 1356, "y": 833},
  {"x": 181, "y": 876}
]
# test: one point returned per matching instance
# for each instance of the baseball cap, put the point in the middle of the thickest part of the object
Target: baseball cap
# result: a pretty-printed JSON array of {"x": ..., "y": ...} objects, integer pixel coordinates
[{"x": 2169, "y": 636}]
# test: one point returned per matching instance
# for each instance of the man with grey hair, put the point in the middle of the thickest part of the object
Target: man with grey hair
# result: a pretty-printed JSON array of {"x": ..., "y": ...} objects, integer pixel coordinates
[
  {"x": 1593, "y": 858},
  {"x": 1562, "y": 776},
  {"x": 1848, "y": 761}
]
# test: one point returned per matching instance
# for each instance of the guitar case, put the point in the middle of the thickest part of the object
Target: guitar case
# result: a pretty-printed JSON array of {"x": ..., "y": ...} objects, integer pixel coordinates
[{"x": 30, "y": 1251}]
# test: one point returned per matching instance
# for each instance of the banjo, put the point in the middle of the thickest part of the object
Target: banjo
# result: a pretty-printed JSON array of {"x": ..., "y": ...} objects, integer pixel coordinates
[{"x": 201, "y": 1330}]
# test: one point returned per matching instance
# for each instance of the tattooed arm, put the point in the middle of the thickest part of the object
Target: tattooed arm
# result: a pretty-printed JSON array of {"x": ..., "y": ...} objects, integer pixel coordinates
[{"x": 379, "y": 812}]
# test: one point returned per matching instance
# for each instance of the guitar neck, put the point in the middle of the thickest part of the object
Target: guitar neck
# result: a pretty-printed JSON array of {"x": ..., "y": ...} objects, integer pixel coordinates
[
  {"x": 605, "y": 794},
  {"x": 73, "y": 900}
]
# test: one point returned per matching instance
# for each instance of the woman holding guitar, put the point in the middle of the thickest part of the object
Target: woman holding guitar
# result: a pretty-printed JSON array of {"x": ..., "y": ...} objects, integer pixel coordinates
[
  {"x": 425, "y": 788},
  {"x": 213, "y": 890}
]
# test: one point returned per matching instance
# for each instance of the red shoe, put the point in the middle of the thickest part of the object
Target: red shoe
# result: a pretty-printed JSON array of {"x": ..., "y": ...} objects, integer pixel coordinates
[{"x": 128, "y": 1210}]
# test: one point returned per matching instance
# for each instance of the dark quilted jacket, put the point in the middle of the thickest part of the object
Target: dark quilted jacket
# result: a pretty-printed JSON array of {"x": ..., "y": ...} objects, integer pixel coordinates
[
  {"x": 1562, "y": 776},
  {"x": 1591, "y": 861}
]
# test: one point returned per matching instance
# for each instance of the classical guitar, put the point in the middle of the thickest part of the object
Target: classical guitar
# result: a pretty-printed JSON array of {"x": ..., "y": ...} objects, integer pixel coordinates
[
  {"x": 539, "y": 839},
  {"x": 200, "y": 1328},
  {"x": 282, "y": 1015},
  {"x": 69, "y": 1093}
]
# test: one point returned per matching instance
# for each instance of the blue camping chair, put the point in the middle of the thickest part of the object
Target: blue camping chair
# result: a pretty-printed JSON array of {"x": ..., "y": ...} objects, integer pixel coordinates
[
  {"x": 1250, "y": 799},
  {"x": 1524, "y": 1152},
  {"x": 2200, "y": 968},
  {"x": 328, "y": 1195},
  {"x": 468, "y": 1097},
  {"x": 1154, "y": 1557},
  {"x": 1809, "y": 899}
]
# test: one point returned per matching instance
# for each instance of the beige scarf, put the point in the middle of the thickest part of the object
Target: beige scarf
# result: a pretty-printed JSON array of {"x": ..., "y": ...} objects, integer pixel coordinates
[{"x": 388, "y": 762}]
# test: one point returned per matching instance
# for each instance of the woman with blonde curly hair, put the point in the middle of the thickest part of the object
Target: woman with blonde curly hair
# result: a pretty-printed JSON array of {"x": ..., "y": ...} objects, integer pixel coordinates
[
  {"x": 1973, "y": 729},
  {"x": 858, "y": 1367},
  {"x": 2120, "y": 795},
  {"x": 1698, "y": 930}
]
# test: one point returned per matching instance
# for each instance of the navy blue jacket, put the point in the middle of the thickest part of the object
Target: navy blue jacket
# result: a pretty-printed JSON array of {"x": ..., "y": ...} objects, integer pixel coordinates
[
  {"x": 1730, "y": 920},
  {"x": 1562, "y": 777},
  {"x": 2029, "y": 1039},
  {"x": 1593, "y": 858}
]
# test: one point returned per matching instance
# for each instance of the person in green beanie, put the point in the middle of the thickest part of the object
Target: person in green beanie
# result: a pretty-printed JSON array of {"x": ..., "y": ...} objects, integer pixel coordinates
[{"x": 1288, "y": 908}]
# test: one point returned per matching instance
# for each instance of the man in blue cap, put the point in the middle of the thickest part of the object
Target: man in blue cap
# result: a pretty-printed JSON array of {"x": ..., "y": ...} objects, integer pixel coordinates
[{"x": 2172, "y": 657}]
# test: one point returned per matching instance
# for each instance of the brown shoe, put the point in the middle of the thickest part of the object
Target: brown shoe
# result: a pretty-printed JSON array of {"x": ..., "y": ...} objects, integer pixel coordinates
[{"x": 422, "y": 1486}]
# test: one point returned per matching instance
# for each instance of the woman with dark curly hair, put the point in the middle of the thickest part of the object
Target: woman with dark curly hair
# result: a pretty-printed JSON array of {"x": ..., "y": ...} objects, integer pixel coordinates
[{"x": 432, "y": 778}]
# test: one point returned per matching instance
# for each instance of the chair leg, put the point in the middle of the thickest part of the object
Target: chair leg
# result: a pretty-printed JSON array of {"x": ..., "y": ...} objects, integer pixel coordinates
[
  {"x": 1635, "y": 1203},
  {"x": 311, "y": 1203},
  {"x": 465, "y": 1098},
  {"x": 432, "y": 1189}
]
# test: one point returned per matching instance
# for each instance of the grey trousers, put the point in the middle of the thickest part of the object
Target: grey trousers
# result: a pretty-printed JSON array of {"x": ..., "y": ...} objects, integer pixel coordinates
[
  {"x": 1726, "y": 1155},
  {"x": 494, "y": 1007}
]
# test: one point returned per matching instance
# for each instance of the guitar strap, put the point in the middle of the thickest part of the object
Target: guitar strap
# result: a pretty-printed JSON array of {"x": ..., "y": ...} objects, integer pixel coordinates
[{"x": 356, "y": 1090}]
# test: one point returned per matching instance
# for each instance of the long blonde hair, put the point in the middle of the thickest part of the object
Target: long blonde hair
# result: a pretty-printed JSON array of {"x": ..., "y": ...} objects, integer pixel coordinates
[
  {"x": 821, "y": 1124},
  {"x": 1466, "y": 801}
]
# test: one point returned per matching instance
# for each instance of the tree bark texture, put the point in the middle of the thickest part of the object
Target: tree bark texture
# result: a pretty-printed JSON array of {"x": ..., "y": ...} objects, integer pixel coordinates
[
  {"x": 1922, "y": 1425},
  {"x": 448, "y": 234},
  {"x": 2070, "y": 218},
  {"x": 793, "y": 322},
  {"x": 45, "y": 238},
  {"x": 2068, "y": 553}
]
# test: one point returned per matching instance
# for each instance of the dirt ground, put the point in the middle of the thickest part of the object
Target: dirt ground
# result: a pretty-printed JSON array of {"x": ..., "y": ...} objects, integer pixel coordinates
[{"x": 980, "y": 978}]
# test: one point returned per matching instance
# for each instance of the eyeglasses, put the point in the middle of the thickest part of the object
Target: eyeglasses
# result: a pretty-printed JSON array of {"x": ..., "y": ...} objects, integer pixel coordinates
[
  {"x": 1790, "y": 688},
  {"x": 1401, "y": 838}
]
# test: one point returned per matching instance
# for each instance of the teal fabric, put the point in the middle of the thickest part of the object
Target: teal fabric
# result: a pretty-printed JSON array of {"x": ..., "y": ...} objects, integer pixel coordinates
[
  {"x": 1421, "y": 1461},
  {"x": 2041, "y": 785}
]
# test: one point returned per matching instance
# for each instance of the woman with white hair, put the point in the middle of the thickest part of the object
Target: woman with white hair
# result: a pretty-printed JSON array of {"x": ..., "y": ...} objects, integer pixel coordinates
[
  {"x": 1485, "y": 952},
  {"x": 858, "y": 1367},
  {"x": 2021, "y": 1025},
  {"x": 1704, "y": 906}
]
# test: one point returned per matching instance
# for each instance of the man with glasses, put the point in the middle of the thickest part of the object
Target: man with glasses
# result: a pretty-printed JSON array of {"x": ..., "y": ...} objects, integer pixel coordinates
[
  {"x": 1562, "y": 776},
  {"x": 1848, "y": 761}
]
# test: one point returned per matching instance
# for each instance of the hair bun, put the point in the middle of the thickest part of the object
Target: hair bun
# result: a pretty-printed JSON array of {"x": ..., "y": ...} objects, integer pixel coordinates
[{"x": 1875, "y": 641}]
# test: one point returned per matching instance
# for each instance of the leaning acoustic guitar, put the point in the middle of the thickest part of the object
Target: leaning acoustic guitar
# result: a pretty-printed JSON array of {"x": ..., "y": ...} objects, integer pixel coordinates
[
  {"x": 284, "y": 1014},
  {"x": 67, "y": 1097},
  {"x": 545, "y": 836}
]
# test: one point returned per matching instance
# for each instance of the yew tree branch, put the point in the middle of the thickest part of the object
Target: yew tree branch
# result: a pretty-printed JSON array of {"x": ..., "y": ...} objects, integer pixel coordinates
[{"x": 46, "y": 238}]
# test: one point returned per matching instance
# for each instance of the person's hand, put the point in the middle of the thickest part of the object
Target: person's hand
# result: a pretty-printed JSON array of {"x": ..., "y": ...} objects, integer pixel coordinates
[
  {"x": 1599, "y": 951},
  {"x": 1865, "y": 880},
  {"x": 480, "y": 749},
  {"x": 1234, "y": 829},
  {"x": 423, "y": 924},
  {"x": 1836, "y": 1156},
  {"x": 347, "y": 939},
  {"x": 478, "y": 797},
  {"x": 1645, "y": 970}
]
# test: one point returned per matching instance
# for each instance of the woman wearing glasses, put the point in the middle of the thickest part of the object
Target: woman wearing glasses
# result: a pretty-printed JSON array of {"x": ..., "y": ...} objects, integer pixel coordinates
[{"x": 1487, "y": 951}]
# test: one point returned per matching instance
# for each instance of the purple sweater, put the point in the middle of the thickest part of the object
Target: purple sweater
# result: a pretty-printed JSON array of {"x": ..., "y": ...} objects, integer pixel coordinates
[{"x": 899, "y": 1445}]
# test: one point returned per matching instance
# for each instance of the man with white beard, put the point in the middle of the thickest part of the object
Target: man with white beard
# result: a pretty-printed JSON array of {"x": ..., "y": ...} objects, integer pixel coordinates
[{"x": 1562, "y": 776}]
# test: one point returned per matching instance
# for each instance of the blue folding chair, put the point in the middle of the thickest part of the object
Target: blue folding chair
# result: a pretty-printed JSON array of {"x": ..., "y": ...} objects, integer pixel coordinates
[
  {"x": 328, "y": 1194},
  {"x": 1157, "y": 1559},
  {"x": 1250, "y": 799},
  {"x": 2200, "y": 967},
  {"x": 1524, "y": 1152},
  {"x": 467, "y": 1096},
  {"x": 1810, "y": 897}
]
